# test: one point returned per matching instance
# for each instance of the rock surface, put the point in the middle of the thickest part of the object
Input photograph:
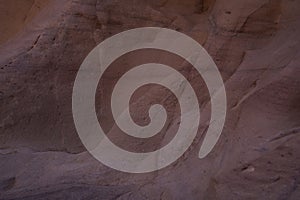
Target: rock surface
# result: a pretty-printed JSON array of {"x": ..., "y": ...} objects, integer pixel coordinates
[{"x": 255, "y": 44}]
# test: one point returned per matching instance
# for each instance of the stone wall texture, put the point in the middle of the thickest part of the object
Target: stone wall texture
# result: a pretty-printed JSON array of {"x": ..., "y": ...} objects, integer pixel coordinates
[{"x": 256, "y": 46}]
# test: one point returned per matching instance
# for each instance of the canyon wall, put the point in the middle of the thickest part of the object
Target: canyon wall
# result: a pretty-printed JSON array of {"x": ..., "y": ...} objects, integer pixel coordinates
[{"x": 254, "y": 43}]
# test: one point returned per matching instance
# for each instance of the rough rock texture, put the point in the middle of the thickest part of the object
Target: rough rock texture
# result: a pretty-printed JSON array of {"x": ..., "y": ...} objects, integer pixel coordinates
[{"x": 255, "y": 44}]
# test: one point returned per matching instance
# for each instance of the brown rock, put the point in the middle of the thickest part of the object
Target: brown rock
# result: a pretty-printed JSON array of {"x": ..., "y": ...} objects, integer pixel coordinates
[{"x": 254, "y": 43}]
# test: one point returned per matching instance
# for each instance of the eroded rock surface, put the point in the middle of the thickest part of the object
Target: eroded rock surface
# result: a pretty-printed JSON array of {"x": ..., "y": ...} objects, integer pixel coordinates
[{"x": 255, "y": 44}]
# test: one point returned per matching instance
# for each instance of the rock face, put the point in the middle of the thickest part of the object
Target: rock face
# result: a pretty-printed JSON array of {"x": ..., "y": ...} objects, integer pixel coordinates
[{"x": 255, "y": 44}]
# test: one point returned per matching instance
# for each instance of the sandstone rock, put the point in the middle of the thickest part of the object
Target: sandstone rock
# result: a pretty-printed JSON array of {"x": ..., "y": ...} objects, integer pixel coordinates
[{"x": 254, "y": 43}]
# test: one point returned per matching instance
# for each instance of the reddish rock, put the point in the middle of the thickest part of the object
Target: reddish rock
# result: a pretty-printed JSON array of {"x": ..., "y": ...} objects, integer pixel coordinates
[{"x": 256, "y": 46}]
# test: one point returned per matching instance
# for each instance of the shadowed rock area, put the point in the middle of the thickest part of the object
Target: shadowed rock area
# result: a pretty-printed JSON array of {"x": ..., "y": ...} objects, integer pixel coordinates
[{"x": 254, "y": 43}]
